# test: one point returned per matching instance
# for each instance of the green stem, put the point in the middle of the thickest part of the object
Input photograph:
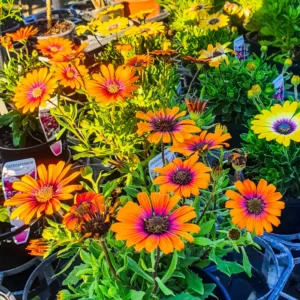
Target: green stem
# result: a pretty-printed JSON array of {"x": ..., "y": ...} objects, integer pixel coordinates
[
  {"x": 103, "y": 246},
  {"x": 204, "y": 211},
  {"x": 163, "y": 153},
  {"x": 154, "y": 273}
]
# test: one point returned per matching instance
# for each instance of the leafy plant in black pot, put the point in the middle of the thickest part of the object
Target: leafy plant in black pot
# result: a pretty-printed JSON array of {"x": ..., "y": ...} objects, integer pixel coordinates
[{"x": 273, "y": 146}]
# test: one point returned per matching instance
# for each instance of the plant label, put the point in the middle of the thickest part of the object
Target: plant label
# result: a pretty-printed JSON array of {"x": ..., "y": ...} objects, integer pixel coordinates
[
  {"x": 3, "y": 108},
  {"x": 13, "y": 171},
  {"x": 279, "y": 87},
  {"x": 157, "y": 162},
  {"x": 239, "y": 47},
  {"x": 50, "y": 126}
]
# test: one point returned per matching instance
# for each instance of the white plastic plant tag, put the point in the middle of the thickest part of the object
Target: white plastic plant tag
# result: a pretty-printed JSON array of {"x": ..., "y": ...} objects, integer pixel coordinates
[
  {"x": 239, "y": 47},
  {"x": 3, "y": 108},
  {"x": 279, "y": 87},
  {"x": 157, "y": 162},
  {"x": 50, "y": 126},
  {"x": 13, "y": 171}
]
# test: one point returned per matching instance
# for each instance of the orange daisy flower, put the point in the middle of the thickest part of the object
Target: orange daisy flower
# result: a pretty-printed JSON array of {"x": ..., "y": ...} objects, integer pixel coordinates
[
  {"x": 84, "y": 204},
  {"x": 183, "y": 178},
  {"x": 204, "y": 142},
  {"x": 34, "y": 90},
  {"x": 255, "y": 208},
  {"x": 54, "y": 45},
  {"x": 166, "y": 125},
  {"x": 71, "y": 74},
  {"x": 166, "y": 52},
  {"x": 153, "y": 224},
  {"x": 44, "y": 194},
  {"x": 140, "y": 62},
  {"x": 112, "y": 85},
  {"x": 23, "y": 34},
  {"x": 77, "y": 52},
  {"x": 38, "y": 247}
]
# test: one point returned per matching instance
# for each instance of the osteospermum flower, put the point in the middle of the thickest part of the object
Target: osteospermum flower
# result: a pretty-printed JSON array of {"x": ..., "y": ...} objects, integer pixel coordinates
[
  {"x": 183, "y": 178},
  {"x": 153, "y": 224},
  {"x": 85, "y": 203},
  {"x": 110, "y": 10},
  {"x": 38, "y": 247},
  {"x": 34, "y": 90},
  {"x": 146, "y": 30},
  {"x": 198, "y": 9},
  {"x": 23, "y": 34},
  {"x": 166, "y": 126},
  {"x": 112, "y": 85},
  {"x": 204, "y": 142},
  {"x": 71, "y": 74},
  {"x": 214, "y": 21},
  {"x": 76, "y": 53},
  {"x": 140, "y": 62},
  {"x": 141, "y": 15},
  {"x": 53, "y": 46},
  {"x": 281, "y": 123},
  {"x": 112, "y": 26},
  {"x": 255, "y": 208},
  {"x": 215, "y": 55},
  {"x": 43, "y": 195}
]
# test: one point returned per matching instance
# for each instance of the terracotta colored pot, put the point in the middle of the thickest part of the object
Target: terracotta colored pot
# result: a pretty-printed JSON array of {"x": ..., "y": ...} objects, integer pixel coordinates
[{"x": 134, "y": 6}]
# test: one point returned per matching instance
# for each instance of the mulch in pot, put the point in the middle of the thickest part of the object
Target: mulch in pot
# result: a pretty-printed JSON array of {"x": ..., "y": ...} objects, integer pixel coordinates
[{"x": 58, "y": 27}]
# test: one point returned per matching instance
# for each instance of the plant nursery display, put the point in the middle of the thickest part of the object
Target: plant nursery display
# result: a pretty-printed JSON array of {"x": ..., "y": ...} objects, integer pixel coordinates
[{"x": 150, "y": 151}]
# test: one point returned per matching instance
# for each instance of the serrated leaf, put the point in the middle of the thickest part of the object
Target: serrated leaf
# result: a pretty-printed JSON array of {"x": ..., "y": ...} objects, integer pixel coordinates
[
  {"x": 194, "y": 282},
  {"x": 246, "y": 263}
]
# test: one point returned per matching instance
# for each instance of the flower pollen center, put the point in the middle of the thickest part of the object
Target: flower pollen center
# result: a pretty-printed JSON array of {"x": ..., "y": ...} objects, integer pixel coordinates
[
  {"x": 199, "y": 7},
  {"x": 284, "y": 128},
  {"x": 44, "y": 194},
  {"x": 113, "y": 88},
  {"x": 255, "y": 206},
  {"x": 157, "y": 225},
  {"x": 37, "y": 92},
  {"x": 70, "y": 74},
  {"x": 164, "y": 125},
  {"x": 114, "y": 26},
  {"x": 96, "y": 226},
  {"x": 54, "y": 49},
  {"x": 182, "y": 177},
  {"x": 139, "y": 63},
  {"x": 214, "y": 21},
  {"x": 200, "y": 146}
]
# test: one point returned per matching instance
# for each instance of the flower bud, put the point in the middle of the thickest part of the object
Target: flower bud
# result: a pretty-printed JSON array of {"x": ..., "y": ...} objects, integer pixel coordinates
[
  {"x": 264, "y": 49},
  {"x": 234, "y": 234},
  {"x": 288, "y": 62},
  {"x": 256, "y": 90},
  {"x": 295, "y": 80},
  {"x": 250, "y": 94},
  {"x": 251, "y": 66},
  {"x": 234, "y": 29}
]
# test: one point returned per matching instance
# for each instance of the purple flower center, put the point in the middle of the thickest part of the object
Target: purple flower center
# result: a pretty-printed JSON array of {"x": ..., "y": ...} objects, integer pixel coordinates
[
  {"x": 157, "y": 225},
  {"x": 199, "y": 146},
  {"x": 214, "y": 21},
  {"x": 255, "y": 206},
  {"x": 284, "y": 126},
  {"x": 182, "y": 177},
  {"x": 164, "y": 124}
]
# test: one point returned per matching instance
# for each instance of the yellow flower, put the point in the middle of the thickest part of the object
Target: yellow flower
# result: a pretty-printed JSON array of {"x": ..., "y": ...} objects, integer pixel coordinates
[
  {"x": 295, "y": 80},
  {"x": 141, "y": 15},
  {"x": 113, "y": 26},
  {"x": 111, "y": 9},
  {"x": 214, "y": 22},
  {"x": 232, "y": 8},
  {"x": 146, "y": 30},
  {"x": 198, "y": 9}
]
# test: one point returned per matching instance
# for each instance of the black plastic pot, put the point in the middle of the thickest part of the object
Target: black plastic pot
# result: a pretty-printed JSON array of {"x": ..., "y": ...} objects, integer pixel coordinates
[
  {"x": 290, "y": 217},
  {"x": 235, "y": 131},
  {"x": 41, "y": 153},
  {"x": 209, "y": 277}
]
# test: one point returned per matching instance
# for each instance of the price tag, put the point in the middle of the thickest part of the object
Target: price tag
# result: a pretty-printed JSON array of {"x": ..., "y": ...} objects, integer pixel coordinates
[
  {"x": 279, "y": 87},
  {"x": 50, "y": 126},
  {"x": 12, "y": 172},
  {"x": 157, "y": 162},
  {"x": 239, "y": 47}
]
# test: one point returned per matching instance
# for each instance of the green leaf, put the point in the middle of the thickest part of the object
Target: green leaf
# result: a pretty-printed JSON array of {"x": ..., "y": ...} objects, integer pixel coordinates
[
  {"x": 136, "y": 295},
  {"x": 206, "y": 227},
  {"x": 194, "y": 282},
  {"x": 246, "y": 263},
  {"x": 68, "y": 265},
  {"x": 168, "y": 274},
  {"x": 208, "y": 290},
  {"x": 183, "y": 296},
  {"x": 131, "y": 191},
  {"x": 4, "y": 214},
  {"x": 85, "y": 256},
  {"x": 203, "y": 241},
  {"x": 137, "y": 269},
  {"x": 72, "y": 279},
  {"x": 163, "y": 288}
]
